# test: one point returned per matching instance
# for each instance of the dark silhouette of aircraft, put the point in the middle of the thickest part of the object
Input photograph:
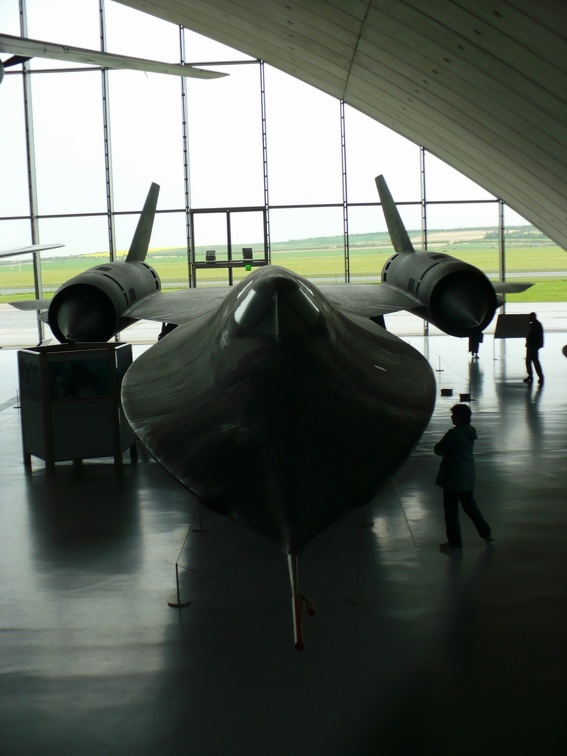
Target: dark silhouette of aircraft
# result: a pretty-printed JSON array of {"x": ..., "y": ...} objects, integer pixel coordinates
[
  {"x": 23, "y": 49},
  {"x": 276, "y": 402}
]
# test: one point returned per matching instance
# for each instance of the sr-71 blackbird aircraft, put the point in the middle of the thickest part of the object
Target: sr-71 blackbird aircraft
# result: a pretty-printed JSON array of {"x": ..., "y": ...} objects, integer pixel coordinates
[
  {"x": 277, "y": 402},
  {"x": 22, "y": 49}
]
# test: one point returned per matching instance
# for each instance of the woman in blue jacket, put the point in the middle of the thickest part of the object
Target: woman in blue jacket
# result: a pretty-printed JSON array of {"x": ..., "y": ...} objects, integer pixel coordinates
[{"x": 456, "y": 477}]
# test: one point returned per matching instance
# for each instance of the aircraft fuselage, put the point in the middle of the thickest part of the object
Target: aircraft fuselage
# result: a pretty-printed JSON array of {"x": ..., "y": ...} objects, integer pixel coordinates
[{"x": 278, "y": 409}]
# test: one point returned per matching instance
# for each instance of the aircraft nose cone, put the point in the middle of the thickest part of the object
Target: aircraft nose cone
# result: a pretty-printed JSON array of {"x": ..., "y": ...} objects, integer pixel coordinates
[{"x": 279, "y": 306}]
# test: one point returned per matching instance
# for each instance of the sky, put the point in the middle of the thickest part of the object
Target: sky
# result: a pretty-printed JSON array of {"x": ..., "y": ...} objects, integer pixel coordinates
[{"x": 225, "y": 157}]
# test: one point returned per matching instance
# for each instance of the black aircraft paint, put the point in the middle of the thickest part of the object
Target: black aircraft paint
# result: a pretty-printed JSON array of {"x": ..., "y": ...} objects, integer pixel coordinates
[
  {"x": 278, "y": 403},
  {"x": 279, "y": 409},
  {"x": 91, "y": 305},
  {"x": 453, "y": 295}
]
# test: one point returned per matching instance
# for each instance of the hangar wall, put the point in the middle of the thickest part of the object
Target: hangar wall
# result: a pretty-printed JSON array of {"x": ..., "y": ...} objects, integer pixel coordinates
[{"x": 81, "y": 147}]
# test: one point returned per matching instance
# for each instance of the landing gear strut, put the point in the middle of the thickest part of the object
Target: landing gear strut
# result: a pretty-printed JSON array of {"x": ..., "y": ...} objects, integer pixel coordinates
[{"x": 298, "y": 601}]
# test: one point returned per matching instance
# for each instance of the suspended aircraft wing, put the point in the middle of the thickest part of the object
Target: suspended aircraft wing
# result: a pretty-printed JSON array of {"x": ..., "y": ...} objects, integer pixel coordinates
[
  {"x": 40, "y": 305},
  {"x": 33, "y": 48},
  {"x": 32, "y": 249}
]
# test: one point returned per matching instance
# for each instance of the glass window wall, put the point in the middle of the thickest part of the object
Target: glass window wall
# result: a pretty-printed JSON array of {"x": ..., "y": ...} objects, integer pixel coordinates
[
  {"x": 228, "y": 169},
  {"x": 146, "y": 139},
  {"x": 69, "y": 145},
  {"x": 14, "y": 197},
  {"x": 309, "y": 241},
  {"x": 468, "y": 232},
  {"x": 369, "y": 243},
  {"x": 445, "y": 183},
  {"x": 225, "y": 139},
  {"x": 200, "y": 49},
  {"x": 81, "y": 235},
  {"x": 304, "y": 143},
  {"x": 373, "y": 149},
  {"x": 531, "y": 256},
  {"x": 15, "y": 233},
  {"x": 130, "y": 32},
  {"x": 62, "y": 21}
]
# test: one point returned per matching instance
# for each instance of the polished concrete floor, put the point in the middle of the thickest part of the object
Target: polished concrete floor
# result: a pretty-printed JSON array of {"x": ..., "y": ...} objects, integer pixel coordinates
[{"x": 410, "y": 651}]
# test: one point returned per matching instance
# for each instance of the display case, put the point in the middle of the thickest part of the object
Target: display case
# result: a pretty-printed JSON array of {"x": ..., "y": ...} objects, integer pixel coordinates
[{"x": 70, "y": 402}]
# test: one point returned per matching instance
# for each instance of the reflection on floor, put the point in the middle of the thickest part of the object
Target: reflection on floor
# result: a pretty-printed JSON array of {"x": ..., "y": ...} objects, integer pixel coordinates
[{"x": 409, "y": 652}]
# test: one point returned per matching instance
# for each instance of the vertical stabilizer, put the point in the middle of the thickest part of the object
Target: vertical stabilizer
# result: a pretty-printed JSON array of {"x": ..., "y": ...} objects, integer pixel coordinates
[
  {"x": 396, "y": 228},
  {"x": 141, "y": 241}
]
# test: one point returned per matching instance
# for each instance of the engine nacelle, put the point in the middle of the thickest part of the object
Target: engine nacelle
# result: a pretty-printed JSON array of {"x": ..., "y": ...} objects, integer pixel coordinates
[
  {"x": 455, "y": 296},
  {"x": 89, "y": 307}
]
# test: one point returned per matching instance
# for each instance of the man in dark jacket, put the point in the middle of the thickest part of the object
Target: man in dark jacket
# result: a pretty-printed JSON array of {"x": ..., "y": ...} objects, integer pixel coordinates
[
  {"x": 534, "y": 342},
  {"x": 456, "y": 477}
]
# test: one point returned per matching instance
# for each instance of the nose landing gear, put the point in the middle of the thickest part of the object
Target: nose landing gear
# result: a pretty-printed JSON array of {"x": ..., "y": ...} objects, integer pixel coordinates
[{"x": 298, "y": 601}]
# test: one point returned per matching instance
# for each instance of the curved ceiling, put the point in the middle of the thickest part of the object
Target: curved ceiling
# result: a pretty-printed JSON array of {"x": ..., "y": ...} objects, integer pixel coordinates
[{"x": 481, "y": 85}]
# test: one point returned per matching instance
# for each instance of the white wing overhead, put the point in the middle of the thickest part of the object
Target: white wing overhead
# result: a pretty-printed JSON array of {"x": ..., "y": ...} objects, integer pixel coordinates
[
  {"x": 32, "y": 249},
  {"x": 34, "y": 48}
]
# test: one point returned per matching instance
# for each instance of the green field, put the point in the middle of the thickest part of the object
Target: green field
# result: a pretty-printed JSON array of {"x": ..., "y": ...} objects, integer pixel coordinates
[{"x": 318, "y": 259}]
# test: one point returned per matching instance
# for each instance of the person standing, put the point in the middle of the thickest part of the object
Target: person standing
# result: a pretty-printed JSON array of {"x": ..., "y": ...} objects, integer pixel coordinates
[
  {"x": 476, "y": 338},
  {"x": 534, "y": 342},
  {"x": 456, "y": 477}
]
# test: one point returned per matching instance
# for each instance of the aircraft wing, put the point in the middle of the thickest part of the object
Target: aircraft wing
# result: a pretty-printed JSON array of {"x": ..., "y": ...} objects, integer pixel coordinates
[
  {"x": 508, "y": 287},
  {"x": 366, "y": 300},
  {"x": 34, "y": 48},
  {"x": 178, "y": 306},
  {"x": 369, "y": 300},
  {"x": 28, "y": 250},
  {"x": 31, "y": 304}
]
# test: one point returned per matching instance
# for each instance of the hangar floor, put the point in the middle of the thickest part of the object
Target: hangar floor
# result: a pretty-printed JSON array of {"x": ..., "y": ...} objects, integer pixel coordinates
[{"x": 410, "y": 651}]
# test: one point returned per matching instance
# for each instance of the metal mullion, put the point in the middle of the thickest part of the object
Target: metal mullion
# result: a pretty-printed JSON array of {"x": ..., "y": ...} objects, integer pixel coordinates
[
  {"x": 107, "y": 141},
  {"x": 31, "y": 169},
  {"x": 189, "y": 235},
  {"x": 266, "y": 214},
  {"x": 423, "y": 189},
  {"x": 346, "y": 239}
]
